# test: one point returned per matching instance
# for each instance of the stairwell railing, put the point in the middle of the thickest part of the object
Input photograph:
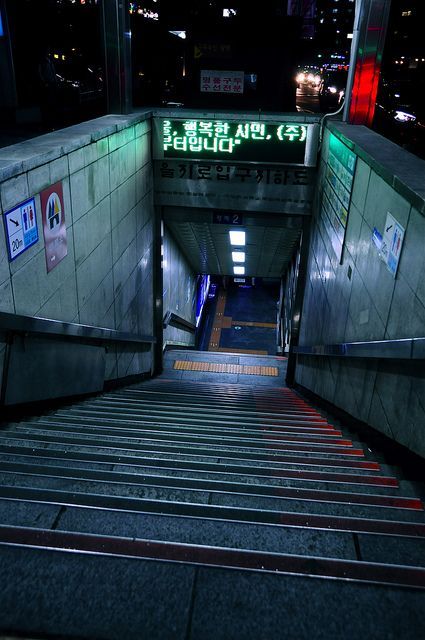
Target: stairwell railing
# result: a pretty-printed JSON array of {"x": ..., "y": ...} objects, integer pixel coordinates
[
  {"x": 401, "y": 349},
  {"x": 43, "y": 358}
]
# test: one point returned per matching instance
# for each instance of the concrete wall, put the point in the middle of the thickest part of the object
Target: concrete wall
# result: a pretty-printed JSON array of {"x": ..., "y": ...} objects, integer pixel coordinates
[
  {"x": 359, "y": 300},
  {"x": 106, "y": 278},
  {"x": 179, "y": 290}
]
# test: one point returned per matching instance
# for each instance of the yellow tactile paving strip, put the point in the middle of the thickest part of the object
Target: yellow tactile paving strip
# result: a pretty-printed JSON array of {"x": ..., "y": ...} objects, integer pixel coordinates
[{"x": 212, "y": 367}]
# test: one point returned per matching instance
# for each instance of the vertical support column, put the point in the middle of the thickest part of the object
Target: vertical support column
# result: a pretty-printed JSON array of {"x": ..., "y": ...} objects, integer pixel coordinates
[
  {"x": 8, "y": 97},
  {"x": 117, "y": 52},
  {"x": 158, "y": 286},
  {"x": 8, "y": 339},
  {"x": 369, "y": 33},
  {"x": 279, "y": 314},
  {"x": 298, "y": 302}
]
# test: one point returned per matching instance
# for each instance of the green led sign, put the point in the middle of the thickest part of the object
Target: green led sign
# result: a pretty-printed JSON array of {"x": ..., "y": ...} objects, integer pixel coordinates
[{"x": 234, "y": 141}]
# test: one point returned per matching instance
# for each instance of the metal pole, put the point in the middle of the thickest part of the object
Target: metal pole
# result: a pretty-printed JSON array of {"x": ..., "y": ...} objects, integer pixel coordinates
[
  {"x": 117, "y": 55},
  {"x": 359, "y": 10},
  {"x": 370, "y": 29}
]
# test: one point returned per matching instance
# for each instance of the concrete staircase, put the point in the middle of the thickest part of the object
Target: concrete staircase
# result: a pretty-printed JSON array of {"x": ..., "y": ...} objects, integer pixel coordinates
[{"x": 188, "y": 508}]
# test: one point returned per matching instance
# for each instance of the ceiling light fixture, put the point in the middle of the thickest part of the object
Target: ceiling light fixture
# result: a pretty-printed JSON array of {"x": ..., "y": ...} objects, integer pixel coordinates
[
  {"x": 237, "y": 238},
  {"x": 238, "y": 256}
]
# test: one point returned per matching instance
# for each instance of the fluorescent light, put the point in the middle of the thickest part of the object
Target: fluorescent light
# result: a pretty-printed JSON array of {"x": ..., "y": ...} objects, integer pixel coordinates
[
  {"x": 237, "y": 238},
  {"x": 238, "y": 256},
  {"x": 239, "y": 271},
  {"x": 180, "y": 34},
  {"x": 403, "y": 116}
]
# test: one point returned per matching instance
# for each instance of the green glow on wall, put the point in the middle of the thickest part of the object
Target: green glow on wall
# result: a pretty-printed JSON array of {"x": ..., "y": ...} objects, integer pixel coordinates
[{"x": 233, "y": 140}]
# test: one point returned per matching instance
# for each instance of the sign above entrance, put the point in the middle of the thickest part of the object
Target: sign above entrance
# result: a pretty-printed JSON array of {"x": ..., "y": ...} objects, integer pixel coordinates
[
  {"x": 227, "y": 218},
  {"x": 235, "y": 141},
  {"x": 239, "y": 187}
]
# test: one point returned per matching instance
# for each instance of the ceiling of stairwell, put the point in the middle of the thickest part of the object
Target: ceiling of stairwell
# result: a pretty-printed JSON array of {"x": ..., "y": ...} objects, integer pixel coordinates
[{"x": 271, "y": 240}]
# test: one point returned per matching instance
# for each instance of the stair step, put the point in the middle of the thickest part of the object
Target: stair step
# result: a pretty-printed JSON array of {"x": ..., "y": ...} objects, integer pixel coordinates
[
  {"x": 215, "y": 556},
  {"x": 156, "y": 599},
  {"x": 277, "y": 518},
  {"x": 222, "y": 493},
  {"x": 93, "y": 444},
  {"x": 263, "y": 440},
  {"x": 165, "y": 417},
  {"x": 248, "y": 401},
  {"x": 218, "y": 469},
  {"x": 289, "y": 461},
  {"x": 274, "y": 409},
  {"x": 121, "y": 401},
  {"x": 238, "y": 535},
  {"x": 146, "y": 425},
  {"x": 115, "y": 443}
]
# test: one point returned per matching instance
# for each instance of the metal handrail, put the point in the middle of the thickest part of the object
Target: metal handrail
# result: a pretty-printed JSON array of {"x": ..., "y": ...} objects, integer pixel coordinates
[
  {"x": 18, "y": 324},
  {"x": 403, "y": 349},
  {"x": 173, "y": 320}
]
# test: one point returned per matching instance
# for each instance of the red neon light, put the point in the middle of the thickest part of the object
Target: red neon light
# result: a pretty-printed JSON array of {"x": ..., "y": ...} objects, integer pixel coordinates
[{"x": 365, "y": 83}]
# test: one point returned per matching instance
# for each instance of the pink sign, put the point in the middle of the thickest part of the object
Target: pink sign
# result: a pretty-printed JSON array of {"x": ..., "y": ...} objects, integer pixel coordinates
[
  {"x": 222, "y": 81},
  {"x": 54, "y": 229}
]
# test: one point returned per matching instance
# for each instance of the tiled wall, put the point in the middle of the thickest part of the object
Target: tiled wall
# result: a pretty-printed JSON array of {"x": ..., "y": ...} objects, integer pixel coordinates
[
  {"x": 359, "y": 300},
  {"x": 178, "y": 291},
  {"x": 106, "y": 278}
]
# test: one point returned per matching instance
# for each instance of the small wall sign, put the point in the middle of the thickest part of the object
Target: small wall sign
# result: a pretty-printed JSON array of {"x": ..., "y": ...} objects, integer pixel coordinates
[
  {"x": 392, "y": 243},
  {"x": 54, "y": 229},
  {"x": 21, "y": 228}
]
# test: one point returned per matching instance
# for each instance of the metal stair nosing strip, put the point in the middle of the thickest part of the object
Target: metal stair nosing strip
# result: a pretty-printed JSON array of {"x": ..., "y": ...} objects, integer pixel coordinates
[
  {"x": 248, "y": 398},
  {"x": 259, "y": 443},
  {"x": 244, "y": 408},
  {"x": 259, "y": 438},
  {"x": 112, "y": 401},
  {"x": 277, "y": 472},
  {"x": 82, "y": 543},
  {"x": 217, "y": 387},
  {"x": 213, "y": 412},
  {"x": 212, "y": 512},
  {"x": 347, "y": 463},
  {"x": 145, "y": 424},
  {"x": 180, "y": 421},
  {"x": 188, "y": 402},
  {"x": 204, "y": 451},
  {"x": 166, "y": 417},
  {"x": 170, "y": 482}
]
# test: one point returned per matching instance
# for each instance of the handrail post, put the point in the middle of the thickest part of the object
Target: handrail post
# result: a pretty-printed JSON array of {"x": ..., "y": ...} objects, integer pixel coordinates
[{"x": 298, "y": 302}]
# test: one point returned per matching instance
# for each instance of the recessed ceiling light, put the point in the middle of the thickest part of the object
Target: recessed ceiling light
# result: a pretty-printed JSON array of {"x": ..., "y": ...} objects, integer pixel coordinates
[
  {"x": 237, "y": 238},
  {"x": 238, "y": 256},
  {"x": 239, "y": 271}
]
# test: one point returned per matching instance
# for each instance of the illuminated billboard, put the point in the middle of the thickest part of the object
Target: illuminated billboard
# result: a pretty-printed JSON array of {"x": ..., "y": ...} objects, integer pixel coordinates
[{"x": 235, "y": 141}]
